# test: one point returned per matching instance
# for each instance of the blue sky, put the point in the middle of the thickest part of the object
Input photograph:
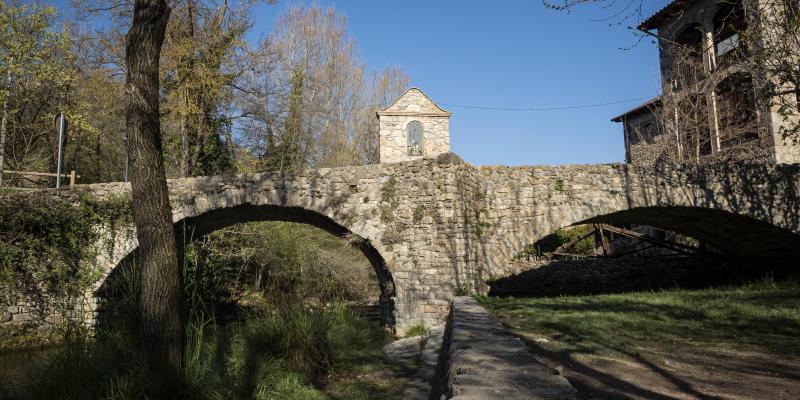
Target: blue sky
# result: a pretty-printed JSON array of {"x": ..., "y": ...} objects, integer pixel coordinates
[{"x": 509, "y": 54}]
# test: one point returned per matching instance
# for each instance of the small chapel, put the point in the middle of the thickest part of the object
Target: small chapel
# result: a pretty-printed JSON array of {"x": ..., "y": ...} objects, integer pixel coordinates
[{"x": 413, "y": 127}]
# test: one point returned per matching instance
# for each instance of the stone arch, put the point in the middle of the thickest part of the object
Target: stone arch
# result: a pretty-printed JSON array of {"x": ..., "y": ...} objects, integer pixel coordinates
[
  {"x": 750, "y": 248},
  {"x": 194, "y": 227},
  {"x": 721, "y": 205},
  {"x": 745, "y": 239}
]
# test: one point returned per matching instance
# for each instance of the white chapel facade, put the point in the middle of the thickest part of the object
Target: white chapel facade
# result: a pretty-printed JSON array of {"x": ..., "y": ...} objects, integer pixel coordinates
[{"x": 413, "y": 127}]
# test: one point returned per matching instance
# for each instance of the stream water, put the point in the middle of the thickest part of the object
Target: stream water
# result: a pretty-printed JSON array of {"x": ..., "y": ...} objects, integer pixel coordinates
[{"x": 15, "y": 366}]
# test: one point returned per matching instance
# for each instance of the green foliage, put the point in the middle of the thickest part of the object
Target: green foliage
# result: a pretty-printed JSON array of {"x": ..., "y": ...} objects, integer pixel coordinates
[
  {"x": 277, "y": 261},
  {"x": 300, "y": 337},
  {"x": 387, "y": 212},
  {"x": 463, "y": 290},
  {"x": 530, "y": 251},
  {"x": 388, "y": 190},
  {"x": 419, "y": 212},
  {"x": 388, "y": 205},
  {"x": 561, "y": 236},
  {"x": 481, "y": 227},
  {"x": 280, "y": 355},
  {"x": 417, "y": 330},
  {"x": 391, "y": 236},
  {"x": 288, "y": 154},
  {"x": 558, "y": 185},
  {"x": 38, "y": 77},
  {"x": 47, "y": 245}
]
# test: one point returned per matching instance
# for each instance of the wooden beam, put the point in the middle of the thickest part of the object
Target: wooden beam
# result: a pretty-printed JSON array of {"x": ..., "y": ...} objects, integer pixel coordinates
[
  {"x": 603, "y": 239},
  {"x": 72, "y": 173},
  {"x": 677, "y": 247},
  {"x": 569, "y": 244},
  {"x": 562, "y": 253}
]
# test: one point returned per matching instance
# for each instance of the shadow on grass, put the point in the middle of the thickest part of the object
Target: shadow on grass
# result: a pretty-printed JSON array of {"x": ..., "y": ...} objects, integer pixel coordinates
[{"x": 762, "y": 316}]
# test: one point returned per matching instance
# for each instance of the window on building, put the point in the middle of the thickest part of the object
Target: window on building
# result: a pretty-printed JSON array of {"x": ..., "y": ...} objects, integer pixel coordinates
[
  {"x": 729, "y": 23},
  {"x": 687, "y": 57},
  {"x": 727, "y": 45},
  {"x": 415, "y": 136},
  {"x": 648, "y": 131},
  {"x": 691, "y": 119},
  {"x": 797, "y": 97},
  {"x": 736, "y": 110}
]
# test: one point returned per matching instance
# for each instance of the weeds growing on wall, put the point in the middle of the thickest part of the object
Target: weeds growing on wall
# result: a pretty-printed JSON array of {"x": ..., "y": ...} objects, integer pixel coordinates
[
  {"x": 48, "y": 246},
  {"x": 565, "y": 235}
]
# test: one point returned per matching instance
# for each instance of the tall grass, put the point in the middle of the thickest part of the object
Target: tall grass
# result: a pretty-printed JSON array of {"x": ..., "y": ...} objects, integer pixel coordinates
[{"x": 285, "y": 354}]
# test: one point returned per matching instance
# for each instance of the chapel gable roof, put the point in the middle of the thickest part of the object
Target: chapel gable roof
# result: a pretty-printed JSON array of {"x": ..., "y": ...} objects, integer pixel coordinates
[{"x": 414, "y": 102}]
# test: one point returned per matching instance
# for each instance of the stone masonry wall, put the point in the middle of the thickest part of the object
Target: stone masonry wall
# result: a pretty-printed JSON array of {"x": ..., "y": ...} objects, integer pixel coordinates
[
  {"x": 480, "y": 359},
  {"x": 436, "y": 227},
  {"x": 413, "y": 105},
  {"x": 394, "y": 137}
]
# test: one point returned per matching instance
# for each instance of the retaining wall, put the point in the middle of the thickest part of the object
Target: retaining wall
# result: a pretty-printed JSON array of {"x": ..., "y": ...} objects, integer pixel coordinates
[{"x": 480, "y": 359}]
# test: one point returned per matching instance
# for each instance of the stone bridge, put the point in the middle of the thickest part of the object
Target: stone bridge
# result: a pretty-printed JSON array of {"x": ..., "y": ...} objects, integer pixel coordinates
[{"x": 436, "y": 227}]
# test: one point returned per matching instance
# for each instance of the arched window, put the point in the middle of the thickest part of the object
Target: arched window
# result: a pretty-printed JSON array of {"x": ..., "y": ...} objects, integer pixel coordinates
[
  {"x": 729, "y": 23},
  {"x": 414, "y": 138},
  {"x": 736, "y": 110},
  {"x": 687, "y": 58}
]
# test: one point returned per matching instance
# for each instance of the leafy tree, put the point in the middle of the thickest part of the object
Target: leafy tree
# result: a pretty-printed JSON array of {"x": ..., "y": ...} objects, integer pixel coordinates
[
  {"x": 200, "y": 63},
  {"x": 36, "y": 66}
]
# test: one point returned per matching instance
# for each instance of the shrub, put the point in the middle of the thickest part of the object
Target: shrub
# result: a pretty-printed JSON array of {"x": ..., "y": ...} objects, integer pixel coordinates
[{"x": 417, "y": 330}]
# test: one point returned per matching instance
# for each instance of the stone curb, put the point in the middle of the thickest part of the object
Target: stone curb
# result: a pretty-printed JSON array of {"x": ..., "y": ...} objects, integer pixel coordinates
[{"x": 480, "y": 359}]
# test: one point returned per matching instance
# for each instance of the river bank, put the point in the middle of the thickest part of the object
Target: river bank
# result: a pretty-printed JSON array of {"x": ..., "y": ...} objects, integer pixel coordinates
[{"x": 290, "y": 353}]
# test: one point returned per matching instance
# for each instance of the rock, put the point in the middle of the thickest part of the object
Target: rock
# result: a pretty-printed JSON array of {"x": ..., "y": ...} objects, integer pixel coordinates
[
  {"x": 449, "y": 158},
  {"x": 403, "y": 349}
]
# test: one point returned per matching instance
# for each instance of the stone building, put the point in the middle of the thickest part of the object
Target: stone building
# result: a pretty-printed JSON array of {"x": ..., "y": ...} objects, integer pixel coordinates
[
  {"x": 413, "y": 127},
  {"x": 710, "y": 109}
]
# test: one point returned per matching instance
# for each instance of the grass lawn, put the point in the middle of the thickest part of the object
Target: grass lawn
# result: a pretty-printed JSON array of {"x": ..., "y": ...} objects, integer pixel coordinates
[{"x": 721, "y": 342}]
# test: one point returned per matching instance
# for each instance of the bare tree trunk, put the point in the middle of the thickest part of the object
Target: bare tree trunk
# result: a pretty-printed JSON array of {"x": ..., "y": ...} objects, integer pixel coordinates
[
  {"x": 160, "y": 301},
  {"x": 184, "y": 149},
  {"x": 4, "y": 121}
]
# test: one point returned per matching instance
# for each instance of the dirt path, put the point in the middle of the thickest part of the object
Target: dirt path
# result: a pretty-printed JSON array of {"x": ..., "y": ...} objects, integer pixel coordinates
[{"x": 683, "y": 372}]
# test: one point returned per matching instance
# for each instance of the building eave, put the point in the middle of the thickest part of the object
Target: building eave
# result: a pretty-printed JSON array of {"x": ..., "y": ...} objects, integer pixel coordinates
[
  {"x": 646, "y": 106},
  {"x": 657, "y": 20},
  {"x": 415, "y": 114},
  {"x": 442, "y": 113}
]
